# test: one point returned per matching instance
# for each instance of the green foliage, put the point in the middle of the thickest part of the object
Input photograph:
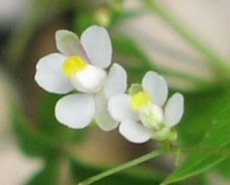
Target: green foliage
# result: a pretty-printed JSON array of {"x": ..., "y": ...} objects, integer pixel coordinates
[
  {"x": 200, "y": 111},
  {"x": 122, "y": 16},
  {"x": 32, "y": 142},
  {"x": 83, "y": 20},
  {"x": 214, "y": 148},
  {"x": 224, "y": 168},
  {"x": 48, "y": 175}
]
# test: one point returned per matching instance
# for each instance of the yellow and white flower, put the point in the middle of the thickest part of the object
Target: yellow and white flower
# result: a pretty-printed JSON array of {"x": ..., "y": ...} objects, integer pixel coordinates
[
  {"x": 143, "y": 113},
  {"x": 81, "y": 65}
]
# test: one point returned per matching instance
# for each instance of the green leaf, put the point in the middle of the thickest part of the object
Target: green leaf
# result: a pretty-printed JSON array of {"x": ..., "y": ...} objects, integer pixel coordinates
[
  {"x": 214, "y": 148},
  {"x": 48, "y": 175},
  {"x": 224, "y": 168},
  {"x": 125, "y": 15},
  {"x": 32, "y": 142},
  {"x": 82, "y": 20},
  {"x": 129, "y": 177},
  {"x": 200, "y": 111}
]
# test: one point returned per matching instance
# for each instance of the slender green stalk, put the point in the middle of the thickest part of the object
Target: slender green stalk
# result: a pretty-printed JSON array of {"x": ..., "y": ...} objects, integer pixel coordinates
[
  {"x": 205, "y": 150},
  {"x": 124, "y": 166},
  {"x": 217, "y": 61},
  {"x": 166, "y": 149}
]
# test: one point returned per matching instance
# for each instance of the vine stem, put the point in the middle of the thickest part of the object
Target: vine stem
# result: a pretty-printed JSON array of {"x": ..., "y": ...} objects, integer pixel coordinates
[
  {"x": 153, "y": 154},
  {"x": 124, "y": 166},
  {"x": 217, "y": 61}
]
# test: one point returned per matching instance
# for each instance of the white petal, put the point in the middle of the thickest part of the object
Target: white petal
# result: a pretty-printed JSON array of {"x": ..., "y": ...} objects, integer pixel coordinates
[
  {"x": 174, "y": 110},
  {"x": 151, "y": 116},
  {"x": 116, "y": 82},
  {"x": 96, "y": 42},
  {"x": 68, "y": 43},
  {"x": 156, "y": 86},
  {"x": 102, "y": 115},
  {"x": 90, "y": 79},
  {"x": 49, "y": 74},
  {"x": 134, "y": 132},
  {"x": 120, "y": 108},
  {"x": 75, "y": 110}
]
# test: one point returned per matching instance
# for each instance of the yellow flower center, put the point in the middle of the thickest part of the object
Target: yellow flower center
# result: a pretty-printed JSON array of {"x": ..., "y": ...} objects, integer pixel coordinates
[
  {"x": 73, "y": 64},
  {"x": 140, "y": 99}
]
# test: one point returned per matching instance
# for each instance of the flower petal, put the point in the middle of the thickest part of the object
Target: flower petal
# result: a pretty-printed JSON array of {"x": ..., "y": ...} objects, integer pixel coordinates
[
  {"x": 102, "y": 115},
  {"x": 120, "y": 108},
  {"x": 68, "y": 43},
  {"x": 90, "y": 79},
  {"x": 116, "y": 81},
  {"x": 174, "y": 110},
  {"x": 75, "y": 110},
  {"x": 96, "y": 42},
  {"x": 49, "y": 74},
  {"x": 156, "y": 86},
  {"x": 134, "y": 132}
]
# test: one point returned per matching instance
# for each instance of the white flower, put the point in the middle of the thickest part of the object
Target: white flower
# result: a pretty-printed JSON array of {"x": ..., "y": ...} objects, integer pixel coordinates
[
  {"x": 80, "y": 66},
  {"x": 143, "y": 113}
]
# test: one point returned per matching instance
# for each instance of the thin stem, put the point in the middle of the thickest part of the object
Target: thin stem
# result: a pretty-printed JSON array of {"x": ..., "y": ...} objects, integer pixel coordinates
[
  {"x": 167, "y": 148},
  {"x": 200, "y": 149},
  {"x": 206, "y": 150},
  {"x": 119, "y": 44},
  {"x": 217, "y": 61},
  {"x": 132, "y": 163}
]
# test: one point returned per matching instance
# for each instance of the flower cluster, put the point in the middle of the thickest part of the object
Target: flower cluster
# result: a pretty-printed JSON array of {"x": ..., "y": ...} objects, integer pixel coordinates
[
  {"x": 95, "y": 89},
  {"x": 143, "y": 113}
]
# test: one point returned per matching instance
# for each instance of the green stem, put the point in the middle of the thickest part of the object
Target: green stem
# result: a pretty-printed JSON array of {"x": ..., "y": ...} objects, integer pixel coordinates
[
  {"x": 218, "y": 62},
  {"x": 165, "y": 149},
  {"x": 205, "y": 150},
  {"x": 124, "y": 166}
]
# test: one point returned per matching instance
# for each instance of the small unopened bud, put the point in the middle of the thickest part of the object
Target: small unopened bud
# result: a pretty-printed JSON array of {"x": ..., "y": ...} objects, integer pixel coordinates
[{"x": 103, "y": 17}]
